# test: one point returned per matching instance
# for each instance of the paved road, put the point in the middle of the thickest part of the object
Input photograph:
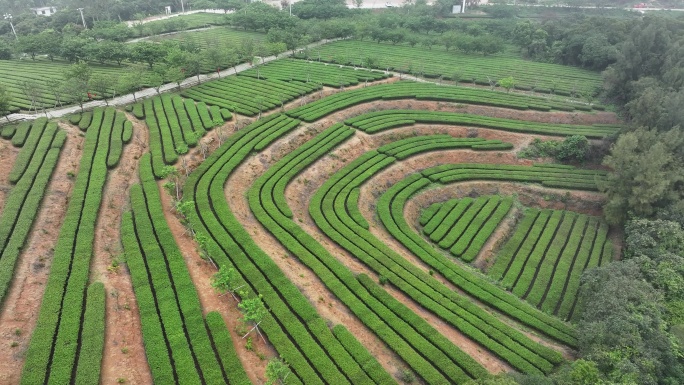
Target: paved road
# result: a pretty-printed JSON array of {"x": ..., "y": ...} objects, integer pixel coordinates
[{"x": 148, "y": 92}]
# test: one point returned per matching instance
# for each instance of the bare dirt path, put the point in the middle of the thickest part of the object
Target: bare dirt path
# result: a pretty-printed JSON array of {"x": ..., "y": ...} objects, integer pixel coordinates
[
  {"x": 19, "y": 313},
  {"x": 201, "y": 271},
  {"x": 8, "y": 154},
  {"x": 124, "y": 353}
]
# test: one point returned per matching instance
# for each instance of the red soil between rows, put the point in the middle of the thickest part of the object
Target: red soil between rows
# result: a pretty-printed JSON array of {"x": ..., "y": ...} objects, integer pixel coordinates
[
  {"x": 26, "y": 290},
  {"x": 20, "y": 310}
]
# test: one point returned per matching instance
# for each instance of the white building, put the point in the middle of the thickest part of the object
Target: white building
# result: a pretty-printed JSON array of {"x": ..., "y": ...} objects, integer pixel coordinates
[{"x": 44, "y": 11}]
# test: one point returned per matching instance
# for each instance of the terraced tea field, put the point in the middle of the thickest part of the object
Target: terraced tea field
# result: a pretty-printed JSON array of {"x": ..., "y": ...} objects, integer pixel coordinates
[
  {"x": 342, "y": 208},
  {"x": 468, "y": 68}
]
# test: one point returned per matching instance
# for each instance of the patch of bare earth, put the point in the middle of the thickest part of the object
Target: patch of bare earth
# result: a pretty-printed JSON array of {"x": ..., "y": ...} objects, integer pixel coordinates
[
  {"x": 8, "y": 154},
  {"x": 20, "y": 311},
  {"x": 124, "y": 353}
]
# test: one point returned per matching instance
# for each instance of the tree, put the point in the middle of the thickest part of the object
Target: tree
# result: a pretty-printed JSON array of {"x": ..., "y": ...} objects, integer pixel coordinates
[
  {"x": 49, "y": 42},
  {"x": 138, "y": 24},
  {"x": 32, "y": 91},
  {"x": 76, "y": 92},
  {"x": 149, "y": 53},
  {"x": 73, "y": 49},
  {"x": 488, "y": 44},
  {"x": 5, "y": 50},
  {"x": 320, "y": 9},
  {"x": 508, "y": 83},
  {"x": 30, "y": 45},
  {"x": 131, "y": 81},
  {"x": 449, "y": 39},
  {"x": 156, "y": 80},
  {"x": 193, "y": 66},
  {"x": 574, "y": 148},
  {"x": 647, "y": 173},
  {"x": 254, "y": 311},
  {"x": 275, "y": 49},
  {"x": 215, "y": 55},
  {"x": 621, "y": 327},
  {"x": 102, "y": 84},
  {"x": 276, "y": 371},
  {"x": 597, "y": 53},
  {"x": 79, "y": 73},
  {"x": 5, "y": 101},
  {"x": 226, "y": 280}
]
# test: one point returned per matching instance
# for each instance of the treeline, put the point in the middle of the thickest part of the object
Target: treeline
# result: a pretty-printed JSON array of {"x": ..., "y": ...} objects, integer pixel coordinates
[
  {"x": 631, "y": 327},
  {"x": 99, "y": 10}
]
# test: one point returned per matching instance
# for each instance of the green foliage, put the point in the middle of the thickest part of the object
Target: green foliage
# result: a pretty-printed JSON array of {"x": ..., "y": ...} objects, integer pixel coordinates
[
  {"x": 276, "y": 371},
  {"x": 622, "y": 327},
  {"x": 225, "y": 280},
  {"x": 253, "y": 310},
  {"x": 573, "y": 149},
  {"x": 5, "y": 100},
  {"x": 93, "y": 336},
  {"x": 407, "y": 376},
  {"x": 507, "y": 83},
  {"x": 71, "y": 264},
  {"x": 165, "y": 292},
  {"x": 646, "y": 173},
  {"x": 24, "y": 199}
]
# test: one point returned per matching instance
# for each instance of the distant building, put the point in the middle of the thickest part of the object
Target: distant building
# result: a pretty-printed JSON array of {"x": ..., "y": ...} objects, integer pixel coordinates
[{"x": 44, "y": 11}]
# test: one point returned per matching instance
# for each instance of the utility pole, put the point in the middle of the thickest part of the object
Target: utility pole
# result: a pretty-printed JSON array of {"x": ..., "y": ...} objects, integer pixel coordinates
[
  {"x": 290, "y": 3},
  {"x": 464, "y": 4},
  {"x": 83, "y": 18},
  {"x": 9, "y": 17}
]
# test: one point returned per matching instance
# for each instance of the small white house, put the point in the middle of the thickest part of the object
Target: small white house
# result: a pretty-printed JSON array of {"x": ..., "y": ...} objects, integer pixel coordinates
[{"x": 44, "y": 11}]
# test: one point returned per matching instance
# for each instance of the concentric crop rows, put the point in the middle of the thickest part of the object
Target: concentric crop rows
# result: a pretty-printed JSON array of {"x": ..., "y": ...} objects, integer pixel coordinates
[
  {"x": 426, "y": 91},
  {"x": 391, "y": 208},
  {"x": 541, "y": 77},
  {"x": 543, "y": 260},
  {"x": 64, "y": 347},
  {"x": 463, "y": 226},
  {"x": 31, "y": 174},
  {"x": 330, "y": 211},
  {"x": 293, "y": 326},
  {"x": 382, "y": 120},
  {"x": 431, "y": 355},
  {"x": 180, "y": 347}
]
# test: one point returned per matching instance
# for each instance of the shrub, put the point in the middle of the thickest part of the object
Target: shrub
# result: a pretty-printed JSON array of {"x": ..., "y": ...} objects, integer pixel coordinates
[{"x": 573, "y": 149}]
